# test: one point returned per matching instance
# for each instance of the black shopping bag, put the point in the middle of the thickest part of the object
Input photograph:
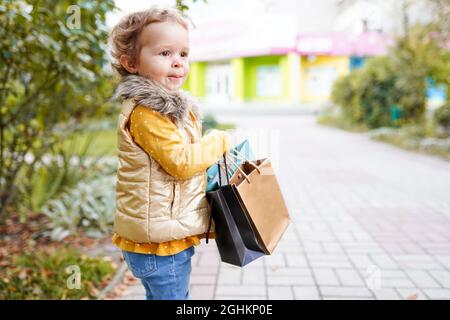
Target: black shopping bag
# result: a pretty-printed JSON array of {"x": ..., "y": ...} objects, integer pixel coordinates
[{"x": 235, "y": 238}]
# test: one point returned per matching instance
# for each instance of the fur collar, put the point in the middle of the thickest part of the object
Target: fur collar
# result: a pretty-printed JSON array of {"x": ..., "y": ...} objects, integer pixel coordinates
[{"x": 148, "y": 93}]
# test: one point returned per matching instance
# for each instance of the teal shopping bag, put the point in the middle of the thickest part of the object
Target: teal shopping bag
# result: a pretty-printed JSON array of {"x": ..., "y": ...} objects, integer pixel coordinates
[{"x": 212, "y": 174}]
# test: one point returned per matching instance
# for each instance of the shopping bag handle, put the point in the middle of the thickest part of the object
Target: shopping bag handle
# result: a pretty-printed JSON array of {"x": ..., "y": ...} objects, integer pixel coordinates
[
  {"x": 212, "y": 199},
  {"x": 237, "y": 153},
  {"x": 229, "y": 171},
  {"x": 209, "y": 220},
  {"x": 241, "y": 171},
  {"x": 226, "y": 171}
]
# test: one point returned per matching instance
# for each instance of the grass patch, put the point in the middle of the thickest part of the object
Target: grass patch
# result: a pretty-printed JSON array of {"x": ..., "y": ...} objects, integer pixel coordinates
[
  {"x": 410, "y": 138},
  {"x": 424, "y": 138},
  {"x": 225, "y": 126},
  {"x": 100, "y": 143},
  {"x": 50, "y": 275},
  {"x": 397, "y": 137}
]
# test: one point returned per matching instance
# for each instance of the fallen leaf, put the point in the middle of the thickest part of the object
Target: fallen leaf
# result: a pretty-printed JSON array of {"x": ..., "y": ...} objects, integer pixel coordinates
[
  {"x": 94, "y": 292},
  {"x": 23, "y": 274},
  {"x": 4, "y": 263},
  {"x": 129, "y": 280}
]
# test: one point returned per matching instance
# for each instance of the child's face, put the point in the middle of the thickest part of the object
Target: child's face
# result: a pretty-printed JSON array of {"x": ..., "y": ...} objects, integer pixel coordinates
[{"x": 163, "y": 56}]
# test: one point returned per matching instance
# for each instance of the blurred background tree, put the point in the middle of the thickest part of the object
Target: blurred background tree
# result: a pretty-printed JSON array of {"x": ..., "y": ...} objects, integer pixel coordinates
[
  {"x": 183, "y": 6},
  {"x": 53, "y": 75}
]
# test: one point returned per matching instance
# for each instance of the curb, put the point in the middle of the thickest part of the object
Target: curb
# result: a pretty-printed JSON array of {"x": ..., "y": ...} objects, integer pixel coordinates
[{"x": 115, "y": 281}]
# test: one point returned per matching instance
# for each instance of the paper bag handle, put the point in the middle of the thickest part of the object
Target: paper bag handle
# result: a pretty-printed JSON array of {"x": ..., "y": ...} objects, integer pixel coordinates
[
  {"x": 226, "y": 166},
  {"x": 237, "y": 153}
]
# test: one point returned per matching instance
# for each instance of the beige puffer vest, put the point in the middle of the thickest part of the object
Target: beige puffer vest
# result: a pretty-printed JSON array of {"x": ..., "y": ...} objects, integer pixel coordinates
[{"x": 151, "y": 205}]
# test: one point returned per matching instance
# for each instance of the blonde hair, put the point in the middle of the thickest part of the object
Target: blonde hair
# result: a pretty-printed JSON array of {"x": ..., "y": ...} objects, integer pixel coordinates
[{"x": 124, "y": 36}]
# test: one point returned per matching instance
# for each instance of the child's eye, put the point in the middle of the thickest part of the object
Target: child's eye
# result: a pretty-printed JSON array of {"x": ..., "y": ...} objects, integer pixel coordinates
[
  {"x": 184, "y": 54},
  {"x": 165, "y": 53}
]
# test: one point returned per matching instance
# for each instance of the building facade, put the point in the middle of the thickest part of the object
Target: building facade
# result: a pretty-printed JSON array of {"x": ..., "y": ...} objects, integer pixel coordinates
[
  {"x": 290, "y": 51},
  {"x": 263, "y": 63}
]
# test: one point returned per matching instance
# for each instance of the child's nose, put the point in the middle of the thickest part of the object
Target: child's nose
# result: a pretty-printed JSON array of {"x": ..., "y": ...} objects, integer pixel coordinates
[{"x": 176, "y": 63}]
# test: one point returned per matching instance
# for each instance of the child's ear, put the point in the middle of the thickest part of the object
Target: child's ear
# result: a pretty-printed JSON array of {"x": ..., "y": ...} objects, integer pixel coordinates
[{"x": 126, "y": 62}]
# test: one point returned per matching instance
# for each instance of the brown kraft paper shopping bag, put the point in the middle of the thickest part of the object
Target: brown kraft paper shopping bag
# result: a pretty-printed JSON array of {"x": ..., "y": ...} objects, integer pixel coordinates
[{"x": 264, "y": 203}]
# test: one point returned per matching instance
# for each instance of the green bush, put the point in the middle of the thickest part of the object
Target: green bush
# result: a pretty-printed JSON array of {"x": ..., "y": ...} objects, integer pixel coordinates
[
  {"x": 345, "y": 95},
  {"x": 72, "y": 189},
  {"x": 88, "y": 205},
  {"x": 58, "y": 171},
  {"x": 333, "y": 116},
  {"x": 442, "y": 116},
  {"x": 378, "y": 94},
  {"x": 47, "y": 275},
  {"x": 52, "y": 73}
]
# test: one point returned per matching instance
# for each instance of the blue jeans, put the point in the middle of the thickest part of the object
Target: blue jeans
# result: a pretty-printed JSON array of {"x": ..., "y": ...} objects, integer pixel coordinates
[{"x": 164, "y": 277}]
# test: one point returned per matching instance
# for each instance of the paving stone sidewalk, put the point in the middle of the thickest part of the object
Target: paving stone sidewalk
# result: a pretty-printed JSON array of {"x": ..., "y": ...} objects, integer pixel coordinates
[{"x": 370, "y": 221}]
